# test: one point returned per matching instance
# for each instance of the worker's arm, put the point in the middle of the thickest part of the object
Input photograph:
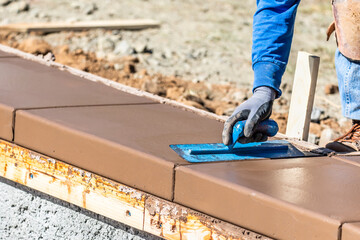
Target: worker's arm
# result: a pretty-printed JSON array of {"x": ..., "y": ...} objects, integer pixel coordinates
[{"x": 273, "y": 28}]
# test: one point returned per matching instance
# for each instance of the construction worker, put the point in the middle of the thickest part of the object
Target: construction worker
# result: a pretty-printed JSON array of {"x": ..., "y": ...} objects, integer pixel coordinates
[{"x": 273, "y": 27}]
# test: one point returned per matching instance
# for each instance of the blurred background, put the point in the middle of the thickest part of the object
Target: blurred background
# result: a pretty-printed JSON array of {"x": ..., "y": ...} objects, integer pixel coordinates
[{"x": 200, "y": 55}]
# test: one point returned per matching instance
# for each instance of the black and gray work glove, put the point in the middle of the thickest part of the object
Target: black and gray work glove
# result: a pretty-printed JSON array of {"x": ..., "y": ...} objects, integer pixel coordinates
[{"x": 255, "y": 110}]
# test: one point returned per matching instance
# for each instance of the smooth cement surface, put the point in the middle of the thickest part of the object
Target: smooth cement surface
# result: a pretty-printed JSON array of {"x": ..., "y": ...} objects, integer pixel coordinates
[{"x": 126, "y": 138}]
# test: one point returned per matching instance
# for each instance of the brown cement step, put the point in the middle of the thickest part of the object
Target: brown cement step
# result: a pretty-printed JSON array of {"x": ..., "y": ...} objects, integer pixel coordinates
[
  {"x": 26, "y": 84},
  {"x": 129, "y": 144},
  {"x": 350, "y": 231},
  {"x": 304, "y": 198}
]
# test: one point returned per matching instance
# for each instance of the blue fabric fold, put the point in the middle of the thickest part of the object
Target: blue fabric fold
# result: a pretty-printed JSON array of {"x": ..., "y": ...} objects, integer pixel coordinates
[{"x": 273, "y": 29}]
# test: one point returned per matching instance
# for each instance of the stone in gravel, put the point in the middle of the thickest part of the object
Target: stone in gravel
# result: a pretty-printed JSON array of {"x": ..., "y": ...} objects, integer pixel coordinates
[
  {"x": 49, "y": 57},
  {"x": 90, "y": 8},
  {"x": 327, "y": 135},
  {"x": 315, "y": 128},
  {"x": 153, "y": 62},
  {"x": 35, "y": 46},
  {"x": 18, "y": 7},
  {"x": 345, "y": 123},
  {"x": 236, "y": 96},
  {"x": 331, "y": 89},
  {"x": 228, "y": 111},
  {"x": 193, "y": 96},
  {"x": 129, "y": 68},
  {"x": 105, "y": 44},
  {"x": 118, "y": 66},
  {"x": 167, "y": 53},
  {"x": 151, "y": 87},
  {"x": 140, "y": 48},
  {"x": 5, "y": 2},
  {"x": 313, "y": 138},
  {"x": 192, "y": 103},
  {"x": 174, "y": 93},
  {"x": 199, "y": 53},
  {"x": 123, "y": 48},
  {"x": 316, "y": 114},
  {"x": 225, "y": 109},
  {"x": 211, "y": 105}
]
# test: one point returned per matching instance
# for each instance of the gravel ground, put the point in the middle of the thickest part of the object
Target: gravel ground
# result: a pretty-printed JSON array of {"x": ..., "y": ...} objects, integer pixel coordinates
[
  {"x": 28, "y": 214},
  {"x": 198, "y": 40}
]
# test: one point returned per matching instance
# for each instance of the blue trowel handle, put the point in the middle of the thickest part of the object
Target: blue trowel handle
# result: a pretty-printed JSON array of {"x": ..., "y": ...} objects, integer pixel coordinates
[{"x": 268, "y": 127}]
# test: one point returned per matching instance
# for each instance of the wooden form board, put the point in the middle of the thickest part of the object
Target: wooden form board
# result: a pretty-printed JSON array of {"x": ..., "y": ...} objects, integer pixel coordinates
[
  {"x": 135, "y": 24},
  {"x": 111, "y": 199},
  {"x": 302, "y": 98}
]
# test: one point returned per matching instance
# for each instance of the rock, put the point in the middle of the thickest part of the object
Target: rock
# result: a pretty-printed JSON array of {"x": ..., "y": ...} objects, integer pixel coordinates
[
  {"x": 193, "y": 96},
  {"x": 76, "y": 5},
  {"x": 236, "y": 96},
  {"x": 193, "y": 104},
  {"x": 153, "y": 87},
  {"x": 174, "y": 93},
  {"x": 35, "y": 46},
  {"x": 152, "y": 61},
  {"x": 123, "y": 48},
  {"x": 313, "y": 139},
  {"x": 228, "y": 111},
  {"x": 211, "y": 105},
  {"x": 331, "y": 123},
  {"x": 141, "y": 48},
  {"x": 224, "y": 109},
  {"x": 89, "y": 9},
  {"x": 198, "y": 53},
  {"x": 281, "y": 119},
  {"x": 106, "y": 45},
  {"x": 315, "y": 129},
  {"x": 129, "y": 68},
  {"x": 327, "y": 135},
  {"x": 118, "y": 66},
  {"x": 6, "y": 2},
  {"x": 316, "y": 114},
  {"x": 49, "y": 57},
  {"x": 143, "y": 72},
  {"x": 345, "y": 124},
  {"x": 331, "y": 89},
  {"x": 18, "y": 7},
  {"x": 167, "y": 53}
]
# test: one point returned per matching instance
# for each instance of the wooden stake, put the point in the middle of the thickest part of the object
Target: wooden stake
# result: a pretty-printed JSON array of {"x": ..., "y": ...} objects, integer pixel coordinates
[
  {"x": 302, "y": 98},
  {"x": 134, "y": 24}
]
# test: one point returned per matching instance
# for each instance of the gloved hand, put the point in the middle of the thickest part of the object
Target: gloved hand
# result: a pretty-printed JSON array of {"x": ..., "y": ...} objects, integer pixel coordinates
[{"x": 256, "y": 109}]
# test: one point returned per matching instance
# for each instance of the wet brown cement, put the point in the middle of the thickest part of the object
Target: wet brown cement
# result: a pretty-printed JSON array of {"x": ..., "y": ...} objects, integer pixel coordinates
[
  {"x": 304, "y": 198},
  {"x": 350, "y": 231},
  {"x": 26, "y": 84},
  {"x": 129, "y": 143},
  {"x": 7, "y": 55}
]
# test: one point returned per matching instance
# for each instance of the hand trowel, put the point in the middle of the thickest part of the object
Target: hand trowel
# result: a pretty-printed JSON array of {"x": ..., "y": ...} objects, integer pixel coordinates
[{"x": 212, "y": 152}]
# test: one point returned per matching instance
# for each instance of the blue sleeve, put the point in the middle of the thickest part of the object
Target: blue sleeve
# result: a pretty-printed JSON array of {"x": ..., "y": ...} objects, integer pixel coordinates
[{"x": 273, "y": 29}]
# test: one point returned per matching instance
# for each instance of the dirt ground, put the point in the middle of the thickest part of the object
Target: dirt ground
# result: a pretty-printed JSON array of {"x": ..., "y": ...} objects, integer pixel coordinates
[{"x": 201, "y": 54}]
